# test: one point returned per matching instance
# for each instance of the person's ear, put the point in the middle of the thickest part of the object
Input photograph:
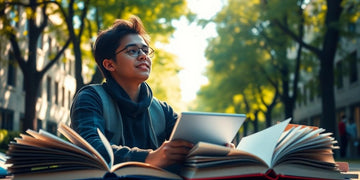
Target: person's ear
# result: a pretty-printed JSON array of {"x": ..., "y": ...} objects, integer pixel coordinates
[{"x": 108, "y": 64}]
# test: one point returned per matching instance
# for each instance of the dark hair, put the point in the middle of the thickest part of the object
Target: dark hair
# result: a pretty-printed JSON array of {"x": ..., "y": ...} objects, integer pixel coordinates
[{"x": 109, "y": 40}]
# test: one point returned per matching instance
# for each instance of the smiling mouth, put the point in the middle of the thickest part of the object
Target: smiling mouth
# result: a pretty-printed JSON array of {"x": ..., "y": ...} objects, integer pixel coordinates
[{"x": 143, "y": 66}]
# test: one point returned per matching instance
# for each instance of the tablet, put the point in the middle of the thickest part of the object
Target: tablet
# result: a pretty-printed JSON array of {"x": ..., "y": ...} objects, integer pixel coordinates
[{"x": 215, "y": 128}]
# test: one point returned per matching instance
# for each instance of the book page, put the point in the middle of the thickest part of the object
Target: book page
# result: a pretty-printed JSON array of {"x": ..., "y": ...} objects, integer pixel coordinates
[
  {"x": 262, "y": 144},
  {"x": 140, "y": 170},
  {"x": 107, "y": 147},
  {"x": 79, "y": 141},
  {"x": 41, "y": 152},
  {"x": 309, "y": 136},
  {"x": 45, "y": 139},
  {"x": 292, "y": 138},
  {"x": 287, "y": 136},
  {"x": 26, "y": 158},
  {"x": 206, "y": 149}
]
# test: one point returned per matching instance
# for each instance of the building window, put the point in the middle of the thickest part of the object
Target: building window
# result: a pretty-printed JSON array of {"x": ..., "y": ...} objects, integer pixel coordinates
[
  {"x": 355, "y": 112},
  {"x": 353, "y": 72},
  {"x": 299, "y": 97},
  {"x": 339, "y": 75},
  {"x": 352, "y": 27},
  {"x": 39, "y": 124},
  {"x": 6, "y": 119},
  {"x": 56, "y": 88},
  {"x": 51, "y": 127},
  {"x": 70, "y": 67},
  {"x": 40, "y": 41},
  {"x": 11, "y": 76},
  {"x": 69, "y": 99},
  {"x": 304, "y": 98},
  {"x": 39, "y": 90},
  {"x": 63, "y": 96},
  {"x": 48, "y": 88},
  {"x": 312, "y": 90},
  {"x": 50, "y": 46},
  {"x": 22, "y": 120}
]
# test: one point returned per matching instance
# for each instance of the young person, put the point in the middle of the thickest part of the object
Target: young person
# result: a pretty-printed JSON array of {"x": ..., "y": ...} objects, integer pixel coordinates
[{"x": 123, "y": 108}]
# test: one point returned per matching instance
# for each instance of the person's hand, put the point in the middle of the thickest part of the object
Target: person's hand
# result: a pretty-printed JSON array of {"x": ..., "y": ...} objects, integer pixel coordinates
[
  {"x": 230, "y": 145},
  {"x": 168, "y": 153}
]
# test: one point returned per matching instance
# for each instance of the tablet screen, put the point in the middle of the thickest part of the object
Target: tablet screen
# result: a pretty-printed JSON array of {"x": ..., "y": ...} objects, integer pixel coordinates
[{"x": 215, "y": 128}]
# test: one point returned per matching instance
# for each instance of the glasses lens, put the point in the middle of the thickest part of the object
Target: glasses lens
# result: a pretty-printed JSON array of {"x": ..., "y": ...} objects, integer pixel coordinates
[
  {"x": 150, "y": 52},
  {"x": 132, "y": 51}
]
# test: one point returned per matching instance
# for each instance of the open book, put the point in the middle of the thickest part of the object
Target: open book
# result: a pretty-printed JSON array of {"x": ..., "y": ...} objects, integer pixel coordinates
[
  {"x": 41, "y": 155},
  {"x": 297, "y": 153}
]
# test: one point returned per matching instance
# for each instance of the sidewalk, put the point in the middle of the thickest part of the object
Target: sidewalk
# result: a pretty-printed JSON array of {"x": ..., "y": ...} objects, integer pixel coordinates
[{"x": 354, "y": 166}]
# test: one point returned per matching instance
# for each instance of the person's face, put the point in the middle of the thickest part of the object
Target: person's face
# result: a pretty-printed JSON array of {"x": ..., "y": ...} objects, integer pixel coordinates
[{"x": 131, "y": 64}]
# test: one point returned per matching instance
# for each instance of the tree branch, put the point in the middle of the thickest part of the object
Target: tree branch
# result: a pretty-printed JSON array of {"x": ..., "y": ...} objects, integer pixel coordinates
[
  {"x": 44, "y": 23},
  {"x": 55, "y": 59},
  {"x": 17, "y": 51},
  {"x": 313, "y": 49},
  {"x": 82, "y": 17}
]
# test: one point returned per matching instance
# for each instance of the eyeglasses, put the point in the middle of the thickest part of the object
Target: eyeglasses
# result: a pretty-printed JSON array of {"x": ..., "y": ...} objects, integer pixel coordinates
[{"x": 134, "y": 51}]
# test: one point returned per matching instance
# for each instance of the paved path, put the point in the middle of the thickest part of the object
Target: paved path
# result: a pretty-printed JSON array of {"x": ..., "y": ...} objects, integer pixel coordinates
[{"x": 354, "y": 166}]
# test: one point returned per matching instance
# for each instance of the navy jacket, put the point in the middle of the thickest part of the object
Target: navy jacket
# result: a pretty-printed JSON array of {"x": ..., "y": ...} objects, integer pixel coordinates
[{"x": 87, "y": 115}]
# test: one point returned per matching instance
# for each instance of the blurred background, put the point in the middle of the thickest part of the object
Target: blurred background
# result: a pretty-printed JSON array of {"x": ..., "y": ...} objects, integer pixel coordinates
[{"x": 268, "y": 59}]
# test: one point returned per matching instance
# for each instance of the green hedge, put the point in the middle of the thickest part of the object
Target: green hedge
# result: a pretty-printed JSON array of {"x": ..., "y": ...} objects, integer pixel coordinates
[{"x": 5, "y": 138}]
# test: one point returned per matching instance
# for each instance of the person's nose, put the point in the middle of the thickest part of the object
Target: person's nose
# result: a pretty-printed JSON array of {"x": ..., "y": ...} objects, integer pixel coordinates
[{"x": 142, "y": 55}]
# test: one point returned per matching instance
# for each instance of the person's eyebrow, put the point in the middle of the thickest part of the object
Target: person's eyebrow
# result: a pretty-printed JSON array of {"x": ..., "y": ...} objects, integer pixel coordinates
[{"x": 138, "y": 45}]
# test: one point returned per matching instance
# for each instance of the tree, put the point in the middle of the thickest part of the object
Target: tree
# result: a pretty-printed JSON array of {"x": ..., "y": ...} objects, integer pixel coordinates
[
  {"x": 28, "y": 60},
  {"x": 241, "y": 64},
  {"x": 326, "y": 55},
  {"x": 75, "y": 37},
  {"x": 93, "y": 16},
  {"x": 77, "y": 16},
  {"x": 263, "y": 23}
]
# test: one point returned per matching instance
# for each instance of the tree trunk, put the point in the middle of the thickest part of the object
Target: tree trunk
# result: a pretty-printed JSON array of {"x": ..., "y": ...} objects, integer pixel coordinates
[
  {"x": 31, "y": 88},
  {"x": 328, "y": 99},
  {"x": 78, "y": 64},
  {"x": 77, "y": 53},
  {"x": 331, "y": 39},
  {"x": 256, "y": 121},
  {"x": 31, "y": 83},
  {"x": 268, "y": 118}
]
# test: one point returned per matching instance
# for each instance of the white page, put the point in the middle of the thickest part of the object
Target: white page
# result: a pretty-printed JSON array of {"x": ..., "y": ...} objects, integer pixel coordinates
[
  {"x": 76, "y": 139},
  {"x": 291, "y": 139},
  {"x": 262, "y": 143},
  {"x": 107, "y": 147},
  {"x": 48, "y": 138},
  {"x": 299, "y": 143}
]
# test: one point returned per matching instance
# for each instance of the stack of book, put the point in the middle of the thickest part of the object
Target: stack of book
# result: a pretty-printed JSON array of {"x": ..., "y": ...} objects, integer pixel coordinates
[
  {"x": 278, "y": 152},
  {"x": 41, "y": 155}
]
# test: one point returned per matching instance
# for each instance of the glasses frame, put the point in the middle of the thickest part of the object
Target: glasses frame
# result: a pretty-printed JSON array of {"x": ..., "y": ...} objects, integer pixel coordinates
[{"x": 150, "y": 53}]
